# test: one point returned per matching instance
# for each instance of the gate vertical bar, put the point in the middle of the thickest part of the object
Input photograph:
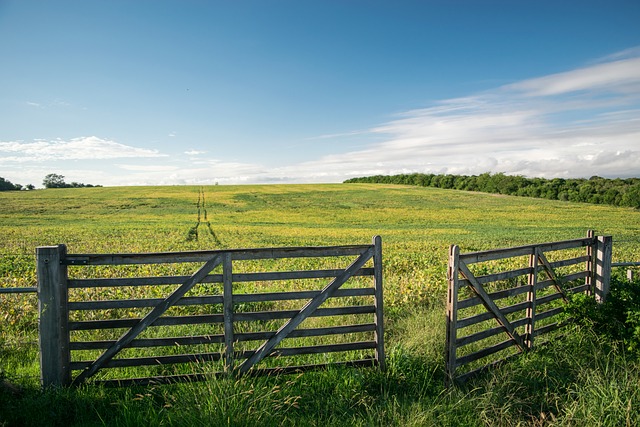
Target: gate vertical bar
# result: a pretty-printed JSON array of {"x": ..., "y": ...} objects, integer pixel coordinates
[
  {"x": 531, "y": 299},
  {"x": 377, "y": 277},
  {"x": 227, "y": 279},
  {"x": 603, "y": 267},
  {"x": 55, "y": 357},
  {"x": 591, "y": 250},
  {"x": 452, "y": 313}
]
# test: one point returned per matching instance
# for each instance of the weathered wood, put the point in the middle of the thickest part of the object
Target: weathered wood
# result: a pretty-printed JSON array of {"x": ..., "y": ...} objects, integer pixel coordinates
[
  {"x": 491, "y": 306},
  {"x": 473, "y": 301},
  {"x": 129, "y": 323},
  {"x": 203, "y": 256},
  {"x": 532, "y": 283},
  {"x": 219, "y": 339},
  {"x": 228, "y": 313},
  {"x": 590, "y": 265},
  {"x": 603, "y": 268},
  {"x": 569, "y": 262},
  {"x": 215, "y": 299},
  {"x": 18, "y": 290},
  {"x": 289, "y": 314},
  {"x": 550, "y": 328},
  {"x": 378, "y": 302},
  {"x": 298, "y": 295},
  {"x": 218, "y": 318},
  {"x": 227, "y": 303},
  {"x": 326, "y": 348},
  {"x": 172, "y": 379},
  {"x": 557, "y": 281},
  {"x": 485, "y": 352},
  {"x": 452, "y": 313},
  {"x": 549, "y": 313},
  {"x": 141, "y": 303},
  {"x": 482, "y": 317},
  {"x": 548, "y": 298},
  {"x": 310, "y": 332},
  {"x": 487, "y": 333},
  {"x": 150, "y": 342},
  {"x": 53, "y": 330},
  {"x": 149, "y": 319},
  {"x": 152, "y": 360},
  {"x": 213, "y": 278},
  {"x": 496, "y": 254},
  {"x": 309, "y": 308},
  {"x": 538, "y": 262},
  {"x": 496, "y": 277}
]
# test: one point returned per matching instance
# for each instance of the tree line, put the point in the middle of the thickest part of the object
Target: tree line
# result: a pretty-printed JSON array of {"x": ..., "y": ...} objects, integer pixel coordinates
[
  {"x": 50, "y": 181},
  {"x": 598, "y": 190}
]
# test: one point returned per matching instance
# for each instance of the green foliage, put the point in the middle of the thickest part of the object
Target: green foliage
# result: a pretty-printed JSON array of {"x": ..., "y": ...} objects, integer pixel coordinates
[
  {"x": 597, "y": 190},
  {"x": 54, "y": 180},
  {"x": 618, "y": 318},
  {"x": 6, "y": 185}
]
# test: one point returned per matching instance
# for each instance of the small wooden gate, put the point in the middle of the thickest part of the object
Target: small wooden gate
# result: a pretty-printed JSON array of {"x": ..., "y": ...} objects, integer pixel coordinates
[
  {"x": 70, "y": 310},
  {"x": 524, "y": 300}
]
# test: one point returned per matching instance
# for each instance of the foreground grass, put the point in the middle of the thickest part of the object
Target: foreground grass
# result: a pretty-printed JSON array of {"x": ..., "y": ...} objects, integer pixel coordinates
[{"x": 580, "y": 380}]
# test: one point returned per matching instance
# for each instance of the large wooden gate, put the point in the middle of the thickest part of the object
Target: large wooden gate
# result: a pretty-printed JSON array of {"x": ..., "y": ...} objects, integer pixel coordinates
[
  {"x": 501, "y": 300},
  {"x": 239, "y": 303}
]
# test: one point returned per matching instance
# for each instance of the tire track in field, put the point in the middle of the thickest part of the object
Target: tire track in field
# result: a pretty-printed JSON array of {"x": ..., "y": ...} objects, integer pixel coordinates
[{"x": 203, "y": 220}]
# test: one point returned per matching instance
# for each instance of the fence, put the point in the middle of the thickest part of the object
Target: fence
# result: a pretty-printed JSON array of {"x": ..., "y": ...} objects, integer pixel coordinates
[
  {"x": 536, "y": 279},
  {"x": 75, "y": 318}
]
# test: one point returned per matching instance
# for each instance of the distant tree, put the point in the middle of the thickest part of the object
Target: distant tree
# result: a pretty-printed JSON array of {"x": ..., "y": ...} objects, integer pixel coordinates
[
  {"x": 616, "y": 192},
  {"x": 57, "y": 181},
  {"x": 6, "y": 185},
  {"x": 53, "y": 180}
]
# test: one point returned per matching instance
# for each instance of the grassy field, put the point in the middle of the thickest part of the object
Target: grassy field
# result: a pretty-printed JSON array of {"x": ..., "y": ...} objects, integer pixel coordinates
[{"x": 417, "y": 226}]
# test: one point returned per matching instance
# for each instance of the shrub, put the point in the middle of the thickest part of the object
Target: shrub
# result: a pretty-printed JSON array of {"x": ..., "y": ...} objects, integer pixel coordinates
[{"x": 618, "y": 318}]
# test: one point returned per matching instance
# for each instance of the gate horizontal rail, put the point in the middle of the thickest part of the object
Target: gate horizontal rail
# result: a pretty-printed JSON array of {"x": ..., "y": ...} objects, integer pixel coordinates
[
  {"x": 520, "y": 304},
  {"x": 229, "y": 322}
]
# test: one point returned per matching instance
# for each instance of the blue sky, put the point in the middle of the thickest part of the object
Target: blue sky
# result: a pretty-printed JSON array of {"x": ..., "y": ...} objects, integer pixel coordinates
[{"x": 201, "y": 92}]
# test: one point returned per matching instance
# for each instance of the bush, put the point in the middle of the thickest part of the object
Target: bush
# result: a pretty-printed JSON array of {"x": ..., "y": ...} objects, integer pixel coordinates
[{"x": 618, "y": 318}]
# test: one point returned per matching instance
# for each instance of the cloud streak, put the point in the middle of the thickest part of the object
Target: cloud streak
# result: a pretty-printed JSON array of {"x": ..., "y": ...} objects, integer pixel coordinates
[
  {"x": 84, "y": 148},
  {"x": 574, "y": 124},
  {"x": 577, "y": 123}
]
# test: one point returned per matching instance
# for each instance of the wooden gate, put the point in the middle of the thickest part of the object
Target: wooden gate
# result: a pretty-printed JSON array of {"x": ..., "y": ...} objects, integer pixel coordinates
[
  {"x": 515, "y": 292},
  {"x": 226, "y": 309}
]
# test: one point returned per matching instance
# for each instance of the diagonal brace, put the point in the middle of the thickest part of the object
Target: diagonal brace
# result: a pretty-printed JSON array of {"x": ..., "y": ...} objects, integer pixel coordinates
[
  {"x": 151, "y": 317},
  {"x": 551, "y": 274},
  {"x": 491, "y": 306},
  {"x": 306, "y": 311}
]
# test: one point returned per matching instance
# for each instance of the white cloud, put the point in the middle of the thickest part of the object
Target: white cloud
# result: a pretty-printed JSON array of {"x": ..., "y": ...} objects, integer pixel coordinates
[
  {"x": 574, "y": 124},
  {"x": 618, "y": 76},
  {"x": 84, "y": 148},
  {"x": 577, "y": 123}
]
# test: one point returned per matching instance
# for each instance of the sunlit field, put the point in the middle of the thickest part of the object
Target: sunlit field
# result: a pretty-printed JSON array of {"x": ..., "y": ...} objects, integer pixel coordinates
[{"x": 417, "y": 226}]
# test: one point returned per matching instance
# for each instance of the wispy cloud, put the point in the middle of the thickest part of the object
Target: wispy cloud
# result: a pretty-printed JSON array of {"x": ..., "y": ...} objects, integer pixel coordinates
[
  {"x": 578, "y": 123},
  {"x": 84, "y": 148}
]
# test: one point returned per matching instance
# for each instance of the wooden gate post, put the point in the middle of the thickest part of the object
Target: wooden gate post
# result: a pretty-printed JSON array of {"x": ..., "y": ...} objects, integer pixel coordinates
[
  {"x": 55, "y": 356},
  {"x": 227, "y": 292},
  {"x": 379, "y": 321},
  {"x": 452, "y": 314},
  {"x": 603, "y": 267},
  {"x": 532, "y": 283},
  {"x": 590, "y": 266}
]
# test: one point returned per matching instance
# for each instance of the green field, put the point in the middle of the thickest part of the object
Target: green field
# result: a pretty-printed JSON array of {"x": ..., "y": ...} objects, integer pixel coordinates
[{"x": 417, "y": 226}]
